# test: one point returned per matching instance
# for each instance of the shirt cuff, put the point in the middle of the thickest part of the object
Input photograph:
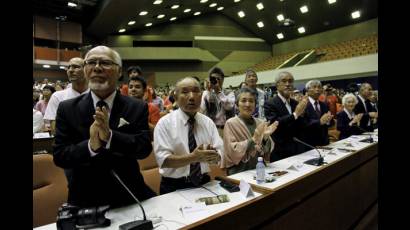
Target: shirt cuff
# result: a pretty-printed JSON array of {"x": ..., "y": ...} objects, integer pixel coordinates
[
  {"x": 107, "y": 146},
  {"x": 92, "y": 153}
]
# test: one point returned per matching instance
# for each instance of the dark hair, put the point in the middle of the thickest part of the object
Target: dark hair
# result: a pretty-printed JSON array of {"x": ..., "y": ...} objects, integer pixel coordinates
[
  {"x": 217, "y": 70},
  {"x": 245, "y": 90},
  {"x": 134, "y": 68},
  {"x": 49, "y": 87},
  {"x": 140, "y": 79}
]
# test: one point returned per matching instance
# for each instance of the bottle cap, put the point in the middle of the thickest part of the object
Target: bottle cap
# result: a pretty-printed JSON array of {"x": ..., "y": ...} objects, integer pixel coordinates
[{"x": 260, "y": 159}]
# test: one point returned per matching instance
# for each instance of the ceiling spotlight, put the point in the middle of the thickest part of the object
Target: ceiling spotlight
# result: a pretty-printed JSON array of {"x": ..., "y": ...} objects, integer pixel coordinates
[
  {"x": 187, "y": 10},
  {"x": 148, "y": 24},
  {"x": 213, "y": 5},
  {"x": 280, "y": 17},
  {"x": 142, "y": 13},
  {"x": 175, "y": 7},
  {"x": 301, "y": 30},
  {"x": 260, "y": 24},
  {"x": 356, "y": 14},
  {"x": 203, "y": 1},
  {"x": 304, "y": 9},
  {"x": 46, "y": 66},
  {"x": 157, "y": 2},
  {"x": 259, "y": 6},
  {"x": 173, "y": 19},
  {"x": 131, "y": 23},
  {"x": 241, "y": 14},
  {"x": 280, "y": 36},
  {"x": 161, "y": 16},
  {"x": 62, "y": 67},
  {"x": 197, "y": 13},
  {"x": 121, "y": 30},
  {"x": 287, "y": 23},
  {"x": 236, "y": 0},
  {"x": 331, "y": 1},
  {"x": 220, "y": 8},
  {"x": 71, "y": 4}
]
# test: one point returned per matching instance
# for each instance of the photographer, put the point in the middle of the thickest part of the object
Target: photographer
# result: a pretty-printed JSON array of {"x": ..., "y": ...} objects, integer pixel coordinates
[{"x": 217, "y": 103}]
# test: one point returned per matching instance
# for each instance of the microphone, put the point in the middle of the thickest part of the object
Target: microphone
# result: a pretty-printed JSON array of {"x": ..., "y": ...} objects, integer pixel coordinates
[
  {"x": 315, "y": 161},
  {"x": 370, "y": 139},
  {"x": 137, "y": 224}
]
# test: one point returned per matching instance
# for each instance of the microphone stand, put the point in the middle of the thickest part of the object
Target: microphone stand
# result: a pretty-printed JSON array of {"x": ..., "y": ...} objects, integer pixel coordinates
[
  {"x": 370, "y": 139},
  {"x": 136, "y": 224},
  {"x": 315, "y": 161}
]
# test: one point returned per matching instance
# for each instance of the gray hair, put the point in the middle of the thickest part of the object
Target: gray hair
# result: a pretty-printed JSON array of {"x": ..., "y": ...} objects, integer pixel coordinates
[
  {"x": 282, "y": 75},
  {"x": 347, "y": 97},
  {"x": 115, "y": 54},
  {"x": 312, "y": 83}
]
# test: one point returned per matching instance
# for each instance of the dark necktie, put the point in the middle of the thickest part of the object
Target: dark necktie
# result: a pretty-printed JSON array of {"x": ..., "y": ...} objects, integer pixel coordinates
[
  {"x": 317, "y": 108},
  {"x": 101, "y": 104},
  {"x": 195, "y": 168}
]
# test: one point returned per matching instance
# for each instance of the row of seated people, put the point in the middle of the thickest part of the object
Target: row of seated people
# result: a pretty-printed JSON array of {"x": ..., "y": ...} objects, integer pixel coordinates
[{"x": 89, "y": 146}]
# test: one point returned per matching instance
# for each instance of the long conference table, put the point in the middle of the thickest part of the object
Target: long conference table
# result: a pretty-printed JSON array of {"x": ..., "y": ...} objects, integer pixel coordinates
[{"x": 336, "y": 195}]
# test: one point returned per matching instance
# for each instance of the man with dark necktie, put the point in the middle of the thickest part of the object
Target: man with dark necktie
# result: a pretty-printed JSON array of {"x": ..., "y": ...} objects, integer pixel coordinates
[
  {"x": 100, "y": 132},
  {"x": 185, "y": 141},
  {"x": 317, "y": 116},
  {"x": 289, "y": 113},
  {"x": 364, "y": 106}
]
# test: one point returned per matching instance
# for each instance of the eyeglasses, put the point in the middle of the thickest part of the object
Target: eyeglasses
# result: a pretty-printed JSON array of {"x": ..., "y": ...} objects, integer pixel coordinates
[
  {"x": 74, "y": 67},
  {"x": 106, "y": 64}
]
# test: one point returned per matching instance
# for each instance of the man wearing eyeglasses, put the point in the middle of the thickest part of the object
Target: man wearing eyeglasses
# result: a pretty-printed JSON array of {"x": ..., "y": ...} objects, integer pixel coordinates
[
  {"x": 75, "y": 73},
  {"x": 101, "y": 132}
]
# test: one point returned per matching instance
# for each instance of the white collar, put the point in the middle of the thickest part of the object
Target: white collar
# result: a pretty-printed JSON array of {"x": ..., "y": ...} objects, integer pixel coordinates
[
  {"x": 185, "y": 116},
  {"x": 109, "y": 100},
  {"x": 283, "y": 98},
  {"x": 350, "y": 115},
  {"x": 362, "y": 99},
  {"x": 312, "y": 101}
]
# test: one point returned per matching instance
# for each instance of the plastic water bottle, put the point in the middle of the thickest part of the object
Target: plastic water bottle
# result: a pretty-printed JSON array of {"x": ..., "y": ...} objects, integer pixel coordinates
[{"x": 260, "y": 171}]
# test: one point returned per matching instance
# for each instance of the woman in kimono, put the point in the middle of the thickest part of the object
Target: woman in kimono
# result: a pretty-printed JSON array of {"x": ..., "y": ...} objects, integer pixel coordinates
[{"x": 245, "y": 137}]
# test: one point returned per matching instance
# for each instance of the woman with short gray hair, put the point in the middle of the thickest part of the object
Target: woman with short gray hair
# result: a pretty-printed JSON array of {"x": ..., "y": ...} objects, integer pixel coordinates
[{"x": 347, "y": 120}]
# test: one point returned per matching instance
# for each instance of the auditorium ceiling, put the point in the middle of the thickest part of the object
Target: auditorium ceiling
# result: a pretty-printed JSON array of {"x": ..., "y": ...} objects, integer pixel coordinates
[{"x": 106, "y": 17}]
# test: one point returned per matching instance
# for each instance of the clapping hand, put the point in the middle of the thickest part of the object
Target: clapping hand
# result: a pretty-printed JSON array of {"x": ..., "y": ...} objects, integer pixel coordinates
[
  {"x": 269, "y": 129},
  {"x": 326, "y": 118}
]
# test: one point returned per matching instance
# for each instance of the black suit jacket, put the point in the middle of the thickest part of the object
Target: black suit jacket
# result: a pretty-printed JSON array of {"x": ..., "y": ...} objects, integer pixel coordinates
[
  {"x": 92, "y": 183},
  {"x": 314, "y": 133},
  {"x": 343, "y": 126},
  {"x": 359, "y": 108},
  {"x": 285, "y": 146}
]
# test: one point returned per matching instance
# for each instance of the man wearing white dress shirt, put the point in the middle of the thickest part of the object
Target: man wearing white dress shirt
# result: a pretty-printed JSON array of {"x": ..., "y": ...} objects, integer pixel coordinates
[
  {"x": 186, "y": 141},
  {"x": 75, "y": 73}
]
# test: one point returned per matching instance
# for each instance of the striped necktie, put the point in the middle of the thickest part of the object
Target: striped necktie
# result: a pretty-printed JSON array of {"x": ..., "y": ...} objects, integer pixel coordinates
[{"x": 195, "y": 168}]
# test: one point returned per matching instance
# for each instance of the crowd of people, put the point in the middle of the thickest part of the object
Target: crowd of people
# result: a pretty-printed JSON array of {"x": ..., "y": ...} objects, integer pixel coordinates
[{"x": 101, "y": 126}]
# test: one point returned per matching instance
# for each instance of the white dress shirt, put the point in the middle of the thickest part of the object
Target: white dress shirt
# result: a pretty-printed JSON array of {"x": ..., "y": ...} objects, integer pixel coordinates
[
  {"x": 37, "y": 121},
  {"x": 287, "y": 104},
  {"x": 110, "y": 101},
  {"x": 58, "y": 97},
  {"x": 171, "y": 137}
]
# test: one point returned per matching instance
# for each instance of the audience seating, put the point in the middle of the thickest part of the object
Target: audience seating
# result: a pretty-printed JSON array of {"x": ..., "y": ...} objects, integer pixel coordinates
[
  {"x": 346, "y": 49},
  {"x": 49, "y": 189}
]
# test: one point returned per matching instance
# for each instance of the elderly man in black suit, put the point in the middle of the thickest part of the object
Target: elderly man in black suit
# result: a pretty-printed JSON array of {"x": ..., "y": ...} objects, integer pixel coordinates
[
  {"x": 364, "y": 106},
  {"x": 289, "y": 113},
  {"x": 101, "y": 132},
  {"x": 317, "y": 116}
]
